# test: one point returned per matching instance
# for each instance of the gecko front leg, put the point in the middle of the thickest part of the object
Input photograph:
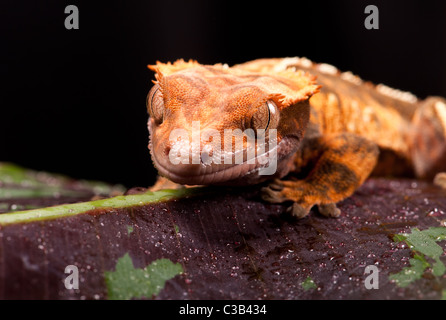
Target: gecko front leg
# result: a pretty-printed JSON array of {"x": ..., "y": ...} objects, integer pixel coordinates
[{"x": 335, "y": 166}]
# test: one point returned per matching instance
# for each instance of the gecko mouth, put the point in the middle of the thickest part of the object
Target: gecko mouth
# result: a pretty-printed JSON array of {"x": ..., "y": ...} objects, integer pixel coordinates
[{"x": 265, "y": 166}]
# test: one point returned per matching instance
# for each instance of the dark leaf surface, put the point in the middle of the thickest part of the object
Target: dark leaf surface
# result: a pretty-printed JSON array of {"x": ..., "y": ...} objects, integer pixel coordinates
[{"x": 229, "y": 244}]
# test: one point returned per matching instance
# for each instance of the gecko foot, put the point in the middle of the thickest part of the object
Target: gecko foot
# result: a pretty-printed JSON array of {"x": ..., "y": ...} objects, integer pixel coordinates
[
  {"x": 280, "y": 191},
  {"x": 303, "y": 196}
]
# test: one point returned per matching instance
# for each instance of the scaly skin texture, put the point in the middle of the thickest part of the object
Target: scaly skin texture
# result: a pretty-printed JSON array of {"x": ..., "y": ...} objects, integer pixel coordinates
[{"x": 331, "y": 133}]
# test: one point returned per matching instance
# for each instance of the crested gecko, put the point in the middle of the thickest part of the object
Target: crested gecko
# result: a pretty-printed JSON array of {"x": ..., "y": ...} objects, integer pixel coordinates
[{"x": 332, "y": 129}]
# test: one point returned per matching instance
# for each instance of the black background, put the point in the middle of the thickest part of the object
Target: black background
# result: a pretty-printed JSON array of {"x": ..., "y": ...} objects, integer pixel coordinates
[{"x": 73, "y": 101}]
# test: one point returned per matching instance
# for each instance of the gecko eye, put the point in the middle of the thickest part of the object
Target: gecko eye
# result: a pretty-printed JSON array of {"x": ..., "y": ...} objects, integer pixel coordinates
[
  {"x": 155, "y": 104},
  {"x": 266, "y": 117}
]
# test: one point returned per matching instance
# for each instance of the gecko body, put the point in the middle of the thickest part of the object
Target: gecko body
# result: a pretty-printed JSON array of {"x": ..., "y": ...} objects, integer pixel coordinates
[{"x": 331, "y": 129}]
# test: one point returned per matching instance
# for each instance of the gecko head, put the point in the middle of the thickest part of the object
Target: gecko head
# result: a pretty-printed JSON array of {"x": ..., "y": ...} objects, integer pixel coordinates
[{"x": 213, "y": 124}]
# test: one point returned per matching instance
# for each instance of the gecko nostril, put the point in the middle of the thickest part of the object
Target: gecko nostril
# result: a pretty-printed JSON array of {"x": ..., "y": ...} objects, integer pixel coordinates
[{"x": 167, "y": 151}]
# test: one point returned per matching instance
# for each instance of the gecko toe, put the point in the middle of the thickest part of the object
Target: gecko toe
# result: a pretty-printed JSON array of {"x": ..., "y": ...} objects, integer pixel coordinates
[
  {"x": 329, "y": 210},
  {"x": 298, "y": 211},
  {"x": 273, "y": 196},
  {"x": 276, "y": 185}
]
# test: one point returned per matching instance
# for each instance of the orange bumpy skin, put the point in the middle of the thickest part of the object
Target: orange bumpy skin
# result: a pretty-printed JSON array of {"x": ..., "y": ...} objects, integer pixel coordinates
[
  {"x": 220, "y": 98},
  {"x": 328, "y": 140}
]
